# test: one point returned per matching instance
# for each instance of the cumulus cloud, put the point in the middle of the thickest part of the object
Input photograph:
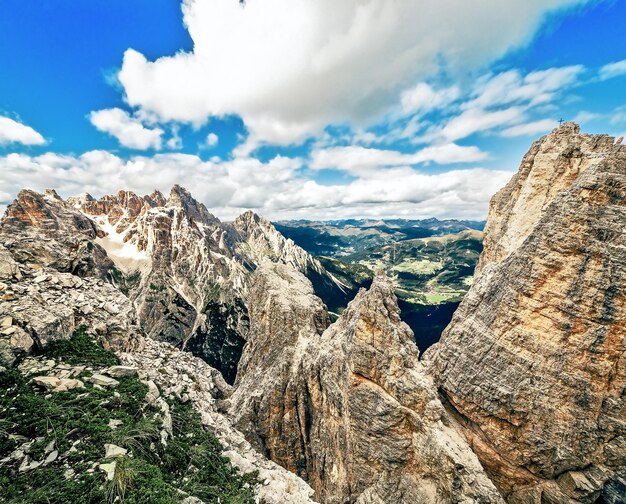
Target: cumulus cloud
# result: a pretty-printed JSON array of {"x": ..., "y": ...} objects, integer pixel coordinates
[
  {"x": 212, "y": 140},
  {"x": 611, "y": 70},
  {"x": 290, "y": 67},
  {"x": 531, "y": 128},
  {"x": 129, "y": 131},
  {"x": 364, "y": 161},
  {"x": 277, "y": 189},
  {"x": 12, "y": 131}
]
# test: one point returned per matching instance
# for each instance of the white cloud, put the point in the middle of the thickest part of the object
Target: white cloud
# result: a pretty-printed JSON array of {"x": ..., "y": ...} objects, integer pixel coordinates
[
  {"x": 475, "y": 120},
  {"x": 423, "y": 98},
  {"x": 504, "y": 100},
  {"x": 618, "y": 116},
  {"x": 212, "y": 140},
  {"x": 612, "y": 70},
  {"x": 175, "y": 142},
  {"x": 277, "y": 189},
  {"x": 533, "y": 88},
  {"x": 365, "y": 161},
  {"x": 128, "y": 130},
  {"x": 585, "y": 116},
  {"x": 290, "y": 67},
  {"x": 12, "y": 131},
  {"x": 529, "y": 129}
]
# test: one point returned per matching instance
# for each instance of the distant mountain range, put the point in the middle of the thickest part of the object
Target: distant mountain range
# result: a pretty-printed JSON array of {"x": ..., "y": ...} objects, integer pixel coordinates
[
  {"x": 430, "y": 261},
  {"x": 344, "y": 237}
]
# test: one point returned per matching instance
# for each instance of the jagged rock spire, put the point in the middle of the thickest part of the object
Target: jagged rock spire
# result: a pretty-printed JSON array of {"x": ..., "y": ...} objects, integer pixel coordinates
[
  {"x": 534, "y": 359},
  {"x": 351, "y": 411}
]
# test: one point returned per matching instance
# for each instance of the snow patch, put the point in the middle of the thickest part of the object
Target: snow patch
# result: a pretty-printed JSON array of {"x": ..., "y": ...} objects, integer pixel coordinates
[{"x": 125, "y": 255}]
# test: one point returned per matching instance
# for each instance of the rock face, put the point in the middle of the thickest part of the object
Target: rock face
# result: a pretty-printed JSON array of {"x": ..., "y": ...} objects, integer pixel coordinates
[
  {"x": 533, "y": 362},
  {"x": 287, "y": 321},
  {"x": 41, "y": 305},
  {"x": 349, "y": 409},
  {"x": 43, "y": 229},
  {"x": 182, "y": 375},
  {"x": 184, "y": 270}
]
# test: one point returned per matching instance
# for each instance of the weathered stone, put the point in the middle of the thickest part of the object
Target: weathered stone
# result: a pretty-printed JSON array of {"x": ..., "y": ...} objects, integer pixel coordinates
[
  {"x": 114, "y": 451},
  {"x": 114, "y": 424},
  {"x": 533, "y": 361},
  {"x": 283, "y": 486},
  {"x": 102, "y": 380},
  {"x": 21, "y": 341},
  {"x": 350, "y": 408},
  {"x": 56, "y": 384},
  {"x": 120, "y": 371},
  {"x": 108, "y": 469},
  {"x": 52, "y": 456},
  {"x": 153, "y": 393}
]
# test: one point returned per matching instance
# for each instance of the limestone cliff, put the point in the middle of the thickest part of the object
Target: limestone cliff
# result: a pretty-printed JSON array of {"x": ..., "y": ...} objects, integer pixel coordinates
[
  {"x": 185, "y": 271},
  {"x": 43, "y": 229},
  {"x": 349, "y": 409},
  {"x": 39, "y": 304},
  {"x": 533, "y": 361}
]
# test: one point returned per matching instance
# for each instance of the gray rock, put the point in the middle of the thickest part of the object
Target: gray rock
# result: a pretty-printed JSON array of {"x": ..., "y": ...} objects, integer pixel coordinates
[
  {"x": 348, "y": 408},
  {"x": 52, "y": 456},
  {"x": 533, "y": 361},
  {"x": 120, "y": 371},
  {"x": 102, "y": 380},
  {"x": 114, "y": 451},
  {"x": 108, "y": 469}
]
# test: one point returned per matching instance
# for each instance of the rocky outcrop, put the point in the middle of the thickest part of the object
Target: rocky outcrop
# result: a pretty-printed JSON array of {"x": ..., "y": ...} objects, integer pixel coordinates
[
  {"x": 259, "y": 240},
  {"x": 286, "y": 322},
  {"x": 180, "y": 374},
  {"x": 39, "y": 305},
  {"x": 43, "y": 229},
  {"x": 533, "y": 363},
  {"x": 349, "y": 409},
  {"x": 185, "y": 271}
]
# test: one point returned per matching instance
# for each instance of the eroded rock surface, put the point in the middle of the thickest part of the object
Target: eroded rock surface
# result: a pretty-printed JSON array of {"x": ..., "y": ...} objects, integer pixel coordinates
[
  {"x": 533, "y": 362},
  {"x": 349, "y": 409},
  {"x": 39, "y": 305},
  {"x": 43, "y": 229},
  {"x": 185, "y": 271},
  {"x": 189, "y": 378}
]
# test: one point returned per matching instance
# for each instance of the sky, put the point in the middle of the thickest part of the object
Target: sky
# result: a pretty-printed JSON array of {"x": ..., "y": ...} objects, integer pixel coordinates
[{"x": 312, "y": 109}]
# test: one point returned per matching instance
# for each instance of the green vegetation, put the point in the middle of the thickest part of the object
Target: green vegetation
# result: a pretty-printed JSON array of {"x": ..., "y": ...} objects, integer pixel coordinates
[
  {"x": 81, "y": 349},
  {"x": 77, "y": 424},
  {"x": 125, "y": 283}
]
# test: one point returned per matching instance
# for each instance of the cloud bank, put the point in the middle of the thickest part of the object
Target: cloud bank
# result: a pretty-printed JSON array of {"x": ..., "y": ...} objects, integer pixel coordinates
[
  {"x": 277, "y": 189},
  {"x": 290, "y": 67}
]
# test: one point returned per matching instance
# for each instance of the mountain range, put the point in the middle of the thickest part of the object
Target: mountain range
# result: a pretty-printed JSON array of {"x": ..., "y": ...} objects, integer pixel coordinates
[{"x": 289, "y": 346}]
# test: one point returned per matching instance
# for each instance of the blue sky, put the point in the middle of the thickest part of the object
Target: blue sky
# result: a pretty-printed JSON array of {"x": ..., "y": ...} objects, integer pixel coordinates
[{"x": 297, "y": 108}]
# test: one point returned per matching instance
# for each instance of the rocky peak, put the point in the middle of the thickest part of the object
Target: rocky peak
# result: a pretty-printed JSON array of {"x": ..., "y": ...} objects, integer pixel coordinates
[
  {"x": 351, "y": 410},
  {"x": 156, "y": 199},
  {"x": 259, "y": 239},
  {"x": 43, "y": 229},
  {"x": 46, "y": 212},
  {"x": 551, "y": 166},
  {"x": 181, "y": 198},
  {"x": 533, "y": 362}
]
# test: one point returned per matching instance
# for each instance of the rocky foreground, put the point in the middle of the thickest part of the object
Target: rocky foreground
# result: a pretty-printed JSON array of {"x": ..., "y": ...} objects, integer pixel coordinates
[{"x": 522, "y": 400}]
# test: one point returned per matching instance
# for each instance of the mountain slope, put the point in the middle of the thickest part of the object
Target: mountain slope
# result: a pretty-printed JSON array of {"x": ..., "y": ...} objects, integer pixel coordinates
[
  {"x": 184, "y": 270},
  {"x": 348, "y": 408},
  {"x": 534, "y": 360}
]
